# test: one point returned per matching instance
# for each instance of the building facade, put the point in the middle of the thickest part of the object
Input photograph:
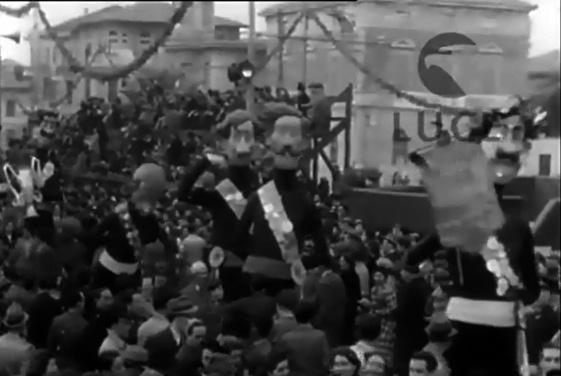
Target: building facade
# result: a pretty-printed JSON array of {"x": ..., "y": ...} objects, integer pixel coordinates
[
  {"x": 15, "y": 95},
  {"x": 386, "y": 36},
  {"x": 201, "y": 47}
]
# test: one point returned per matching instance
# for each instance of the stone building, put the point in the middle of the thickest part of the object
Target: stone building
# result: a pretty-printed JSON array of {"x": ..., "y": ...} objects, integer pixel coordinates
[
  {"x": 386, "y": 36},
  {"x": 15, "y": 95},
  {"x": 202, "y": 47}
]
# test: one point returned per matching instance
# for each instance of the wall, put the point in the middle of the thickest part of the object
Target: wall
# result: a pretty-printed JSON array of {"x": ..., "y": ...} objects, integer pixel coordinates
[
  {"x": 12, "y": 126},
  {"x": 487, "y": 77},
  {"x": 546, "y": 146},
  {"x": 498, "y": 73}
]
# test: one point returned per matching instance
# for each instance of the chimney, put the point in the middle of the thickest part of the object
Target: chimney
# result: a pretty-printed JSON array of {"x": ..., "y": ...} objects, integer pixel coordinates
[{"x": 86, "y": 11}]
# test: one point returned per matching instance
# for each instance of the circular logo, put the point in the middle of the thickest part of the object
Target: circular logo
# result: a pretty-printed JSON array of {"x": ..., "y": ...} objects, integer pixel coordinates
[{"x": 436, "y": 79}]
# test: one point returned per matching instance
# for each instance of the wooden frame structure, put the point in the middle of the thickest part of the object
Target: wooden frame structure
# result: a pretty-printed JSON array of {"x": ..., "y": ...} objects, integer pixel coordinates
[{"x": 343, "y": 125}]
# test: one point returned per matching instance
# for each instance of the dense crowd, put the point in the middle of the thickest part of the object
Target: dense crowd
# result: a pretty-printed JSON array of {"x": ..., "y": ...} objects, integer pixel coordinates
[{"x": 364, "y": 312}]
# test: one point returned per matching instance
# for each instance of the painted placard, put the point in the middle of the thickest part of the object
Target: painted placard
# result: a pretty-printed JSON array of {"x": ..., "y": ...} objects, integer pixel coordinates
[{"x": 461, "y": 192}]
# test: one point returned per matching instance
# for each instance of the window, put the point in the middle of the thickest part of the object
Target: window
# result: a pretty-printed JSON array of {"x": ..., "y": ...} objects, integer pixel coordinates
[
  {"x": 10, "y": 108},
  {"x": 69, "y": 91},
  {"x": 544, "y": 165},
  {"x": 145, "y": 38},
  {"x": 490, "y": 48},
  {"x": 186, "y": 65},
  {"x": 124, "y": 38},
  {"x": 10, "y": 134},
  {"x": 404, "y": 44},
  {"x": 113, "y": 37},
  {"x": 47, "y": 55},
  {"x": 310, "y": 48}
]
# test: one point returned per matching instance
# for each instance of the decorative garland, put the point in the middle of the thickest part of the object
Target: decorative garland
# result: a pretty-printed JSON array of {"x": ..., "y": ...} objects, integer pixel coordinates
[
  {"x": 77, "y": 79},
  {"x": 19, "y": 12},
  {"x": 381, "y": 82},
  {"x": 122, "y": 72},
  {"x": 280, "y": 44}
]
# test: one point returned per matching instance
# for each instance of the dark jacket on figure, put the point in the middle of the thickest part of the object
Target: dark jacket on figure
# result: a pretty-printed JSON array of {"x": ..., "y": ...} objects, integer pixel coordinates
[
  {"x": 256, "y": 236},
  {"x": 483, "y": 348},
  {"x": 64, "y": 340},
  {"x": 306, "y": 350},
  {"x": 327, "y": 289},
  {"x": 162, "y": 351},
  {"x": 469, "y": 274},
  {"x": 44, "y": 308},
  {"x": 225, "y": 222},
  {"x": 541, "y": 326}
]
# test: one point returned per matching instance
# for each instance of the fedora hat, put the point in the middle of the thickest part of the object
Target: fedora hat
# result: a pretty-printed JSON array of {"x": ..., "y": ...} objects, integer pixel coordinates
[
  {"x": 135, "y": 354},
  {"x": 439, "y": 324},
  {"x": 15, "y": 317},
  {"x": 181, "y": 306}
]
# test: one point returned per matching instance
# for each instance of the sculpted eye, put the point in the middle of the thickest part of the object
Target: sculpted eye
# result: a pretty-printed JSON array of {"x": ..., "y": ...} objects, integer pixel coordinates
[{"x": 497, "y": 133}]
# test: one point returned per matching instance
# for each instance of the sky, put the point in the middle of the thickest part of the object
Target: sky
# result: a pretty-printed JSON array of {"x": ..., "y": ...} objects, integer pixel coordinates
[{"x": 544, "y": 38}]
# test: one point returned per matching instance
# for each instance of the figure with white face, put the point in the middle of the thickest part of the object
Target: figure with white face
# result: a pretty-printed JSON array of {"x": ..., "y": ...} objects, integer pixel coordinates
[{"x": 488, "y": 287}]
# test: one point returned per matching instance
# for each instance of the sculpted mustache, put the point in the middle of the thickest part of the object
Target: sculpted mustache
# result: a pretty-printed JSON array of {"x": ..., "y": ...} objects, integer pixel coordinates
[
  {"x": 509, "y": 156},
  {"x": 287, "y": 150}
]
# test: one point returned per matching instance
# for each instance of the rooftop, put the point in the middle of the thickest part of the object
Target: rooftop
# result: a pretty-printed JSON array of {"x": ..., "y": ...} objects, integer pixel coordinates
[
  {"x": 292, "y": 7},
  {"x": 547, "y": 62},
  {"x": 149, "y": 12}
]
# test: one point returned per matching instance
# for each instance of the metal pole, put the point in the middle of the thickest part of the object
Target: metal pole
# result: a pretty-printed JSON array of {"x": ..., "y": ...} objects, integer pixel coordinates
[
  {"x": 1, "y": 106},
  {"x": 305, "y": 54},
  {"x": 280, "y": 25},
  {"x": 250, "y": 92}
]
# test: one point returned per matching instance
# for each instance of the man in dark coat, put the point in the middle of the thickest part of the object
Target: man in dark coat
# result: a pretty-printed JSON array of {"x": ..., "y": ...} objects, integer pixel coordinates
[{"x": 412, "y": 296}]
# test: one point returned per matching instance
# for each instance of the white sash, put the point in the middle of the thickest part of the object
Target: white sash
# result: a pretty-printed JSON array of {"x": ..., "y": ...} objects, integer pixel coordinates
[
  {"x": 282, "y": 228},
  {"x": 233, "y": 197}
]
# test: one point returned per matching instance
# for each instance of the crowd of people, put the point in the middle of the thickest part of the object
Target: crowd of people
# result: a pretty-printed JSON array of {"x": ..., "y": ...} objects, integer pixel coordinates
[{"x": 70, "y": 306}]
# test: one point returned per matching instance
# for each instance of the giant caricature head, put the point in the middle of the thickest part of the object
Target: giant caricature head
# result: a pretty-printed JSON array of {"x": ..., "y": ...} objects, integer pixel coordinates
[
  {"x": 151, "y": 183},
  {"x": 288, "y": 134},
  {"x": 504, "y": 136},
  {"x": 238, "y": 138}
]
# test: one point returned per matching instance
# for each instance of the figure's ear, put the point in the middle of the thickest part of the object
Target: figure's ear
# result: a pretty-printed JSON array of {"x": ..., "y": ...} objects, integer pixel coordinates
[
  {"x": 417, "y": 159},
  {"x": 12, "y": 179},
  {"x": 36, "y": 167}
]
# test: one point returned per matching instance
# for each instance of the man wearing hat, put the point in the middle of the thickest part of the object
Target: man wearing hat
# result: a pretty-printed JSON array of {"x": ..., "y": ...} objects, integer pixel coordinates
[
  {"x": 542, "y": 322},
  {"x": 412, "y": 296},
  {"x": 440, "y": 332},
  {"x": 15, "y": 351},
  {"x": 135, "y": 360},
  {"x": 118, "y": 328},
  {"x": 164, "y": 346}
]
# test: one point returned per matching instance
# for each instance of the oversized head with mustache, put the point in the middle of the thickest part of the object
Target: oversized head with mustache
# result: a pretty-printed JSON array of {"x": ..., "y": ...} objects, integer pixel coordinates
[
  {"x": 490, "y": 285},
  {"x": 238, "y": 134},
  {"x": 505, "y": 137},
  {"x": 288, "y": 134}
]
